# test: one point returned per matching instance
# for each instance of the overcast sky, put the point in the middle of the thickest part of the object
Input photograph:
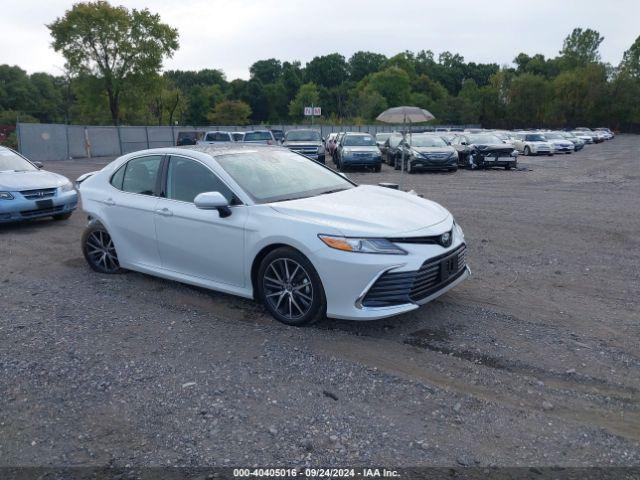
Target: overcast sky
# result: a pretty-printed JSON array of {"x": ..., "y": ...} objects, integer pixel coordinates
[{"x": 232, "y": 34}]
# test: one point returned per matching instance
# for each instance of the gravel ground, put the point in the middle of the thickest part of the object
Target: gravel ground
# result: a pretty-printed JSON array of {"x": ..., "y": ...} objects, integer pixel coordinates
[{"x": 532, "y": 361}]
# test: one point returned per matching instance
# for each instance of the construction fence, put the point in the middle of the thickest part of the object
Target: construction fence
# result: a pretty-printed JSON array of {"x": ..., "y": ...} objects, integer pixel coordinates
[{"x": 47, "y": 142}]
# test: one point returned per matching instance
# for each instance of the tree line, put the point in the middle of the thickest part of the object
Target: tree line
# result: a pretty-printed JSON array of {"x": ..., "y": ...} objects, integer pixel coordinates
[{"x": 113, "y": 75}]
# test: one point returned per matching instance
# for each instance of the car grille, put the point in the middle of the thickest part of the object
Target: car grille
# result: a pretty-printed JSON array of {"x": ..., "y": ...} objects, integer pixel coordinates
[
  {"x": 38, "y": 194},
  {"x": 430, "y": 240},
  {"x": 396, "y": 288},
  {"x": 42, "y": 211}
]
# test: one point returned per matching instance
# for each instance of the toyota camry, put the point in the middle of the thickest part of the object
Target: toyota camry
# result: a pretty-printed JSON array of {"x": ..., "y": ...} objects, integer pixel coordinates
[{"x": 266, "y": 223}]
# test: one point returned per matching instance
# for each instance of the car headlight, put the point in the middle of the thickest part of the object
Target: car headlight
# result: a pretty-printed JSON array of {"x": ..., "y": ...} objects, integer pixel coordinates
[
  {"x": 362, "y": 245},
  {"x": 454, "y": 154},
  {"x": 6, "y": 196},
  {"x": 66, "y": 187}
]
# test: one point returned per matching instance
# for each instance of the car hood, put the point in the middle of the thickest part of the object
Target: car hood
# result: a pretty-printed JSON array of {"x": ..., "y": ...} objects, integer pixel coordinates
[
  {"x": 366, "y": 148},
  {"x": 302, "y": 143},
  {"x": 557, "y": 141},
  {"x": 31, "y": 180},
  {"x": 494, "y": 147},
  {"x": 447, "y": 150},
  {"x": 368, "y": 211}
]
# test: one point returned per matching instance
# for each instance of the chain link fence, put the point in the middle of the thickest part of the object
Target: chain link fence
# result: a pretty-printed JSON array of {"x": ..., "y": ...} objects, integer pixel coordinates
[{"x": 47, "y": 142}]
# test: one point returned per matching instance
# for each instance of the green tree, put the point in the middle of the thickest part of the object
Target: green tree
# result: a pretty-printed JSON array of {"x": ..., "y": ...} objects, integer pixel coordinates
[
  {"x": 114, "y": 44},
  {"x": 267, "y": 71},
  {"x": 581, "y": 47},
  {"x": 392, "y": 83},
  {"x": 230, "y": 112},
  {"x": 362, "y": 64},
  {"x": 527, "y": 100},
  {"x": 327, "y": 70},
  {"x": 307, "y": 95},
  {"x": 630, "y": 64}
]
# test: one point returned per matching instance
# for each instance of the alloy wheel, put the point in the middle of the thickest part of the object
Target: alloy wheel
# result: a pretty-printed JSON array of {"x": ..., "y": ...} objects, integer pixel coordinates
[
  {"x": 288, "y": 288},
  {"x": 101, "y": 251}
]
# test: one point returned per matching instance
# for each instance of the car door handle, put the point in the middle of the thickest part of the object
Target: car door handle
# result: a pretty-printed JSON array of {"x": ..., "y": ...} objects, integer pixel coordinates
[
  {"x": 109, "y": 202},
  {"x": 165, "y": 212}
]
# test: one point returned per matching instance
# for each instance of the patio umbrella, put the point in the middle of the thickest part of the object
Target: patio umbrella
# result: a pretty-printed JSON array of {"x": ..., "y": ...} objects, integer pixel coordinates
[{"x": 403, "y": 115}]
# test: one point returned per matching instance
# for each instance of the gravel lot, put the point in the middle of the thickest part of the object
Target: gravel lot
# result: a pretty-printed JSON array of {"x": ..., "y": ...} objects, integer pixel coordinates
[{"x": 532, "y": 361}]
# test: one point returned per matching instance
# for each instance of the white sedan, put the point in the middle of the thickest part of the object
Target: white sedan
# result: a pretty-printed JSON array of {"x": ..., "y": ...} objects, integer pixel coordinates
[{"x": 266, "y": 223}]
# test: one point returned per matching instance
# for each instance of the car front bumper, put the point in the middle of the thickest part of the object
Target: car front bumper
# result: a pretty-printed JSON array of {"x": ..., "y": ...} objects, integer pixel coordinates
[
  {"x": 348, "y": 278},
  {"x": 434, "y": 164},
  {"x": 353, "y": 161},
  {"x": 21, "y": 208}
]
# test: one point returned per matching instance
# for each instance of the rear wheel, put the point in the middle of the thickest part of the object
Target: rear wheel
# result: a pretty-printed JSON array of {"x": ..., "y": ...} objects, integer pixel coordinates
[
  {"x": 290, "y": 287},
  {"x": 527, "y": 151},
  {"x": 99, "y": 250}
]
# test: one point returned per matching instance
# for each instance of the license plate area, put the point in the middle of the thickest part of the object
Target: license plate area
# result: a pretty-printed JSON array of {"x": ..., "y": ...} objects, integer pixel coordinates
[
  {"x": 44, "y": 204},
  {"x": 448, "y": 267}
]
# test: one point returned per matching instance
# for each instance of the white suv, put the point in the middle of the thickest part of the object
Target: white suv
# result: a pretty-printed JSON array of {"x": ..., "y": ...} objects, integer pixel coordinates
[{"x": 532, "y": 144}]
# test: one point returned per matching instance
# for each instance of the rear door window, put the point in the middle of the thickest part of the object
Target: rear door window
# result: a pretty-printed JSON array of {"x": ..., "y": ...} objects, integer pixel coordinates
[{"x": 140, "y": 175}]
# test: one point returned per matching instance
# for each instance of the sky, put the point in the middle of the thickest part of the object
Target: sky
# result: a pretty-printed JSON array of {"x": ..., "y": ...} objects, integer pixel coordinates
[{"x": 232, "y": 34}]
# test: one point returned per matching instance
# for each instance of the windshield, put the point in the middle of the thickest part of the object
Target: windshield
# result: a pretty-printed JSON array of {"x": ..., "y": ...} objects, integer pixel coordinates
[
  {"x": 381, "y": 137},
  {"x": 302, "y": 136},
  {"x": 358, "y": 141},
  {"x": 535, "y": 138},
  {"x": 12, "y": 161},
  {"x": 557, "y": 136},
  {"x": 257, "y": 136},
  {"x": 486, "y": 139},
  {"x": 427, "y": 142},
  {"x": 271, "y": 176}
]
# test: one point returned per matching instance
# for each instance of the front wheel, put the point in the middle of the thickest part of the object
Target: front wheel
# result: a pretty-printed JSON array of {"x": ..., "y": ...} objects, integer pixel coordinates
[
  {"x": 290, "y": 288},
  {"x": 99, "y": 250},
  {"x": 377, "y": 168},
  {"x": 527, "y": 151}
]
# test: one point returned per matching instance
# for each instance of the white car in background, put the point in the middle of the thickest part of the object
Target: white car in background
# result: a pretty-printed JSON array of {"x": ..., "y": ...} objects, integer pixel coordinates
[
  {"x": 587, "y": 137},
  {"x": 216, "y": 136},
  {"x": 532, "y": 143},
  {"x": 559, "y": 142},
  {"x": 266, "y": 223}
]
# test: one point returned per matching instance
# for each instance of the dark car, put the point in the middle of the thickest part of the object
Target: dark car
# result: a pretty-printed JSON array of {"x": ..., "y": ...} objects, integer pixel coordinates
[
  {"x": 359, "y": 150},
  {"x": 392, "y": 153},
  {"x": 187, "y": 138},
  {"x": 428, "y": 152},
  {"x": 484, "y": 150},
  {"x": 277, "y": 134},
  {"x": 306, "y": 142}
]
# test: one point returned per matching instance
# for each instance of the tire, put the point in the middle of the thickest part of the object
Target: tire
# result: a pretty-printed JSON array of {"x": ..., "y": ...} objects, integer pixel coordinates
[
  {"x": 62, "y": 216},
  {"x": 507, "y": 167},
  {"x": 298, "y": 300},
  {"x": 377, "y": 168},
  {"x": 527, "y": 151},
  {"x": 454, "y": 169},
  {"x": 98, "y": 249}
]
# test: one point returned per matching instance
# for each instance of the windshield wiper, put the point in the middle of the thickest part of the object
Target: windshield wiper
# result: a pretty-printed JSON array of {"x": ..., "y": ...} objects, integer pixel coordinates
[{"x": 335, "y": 190}]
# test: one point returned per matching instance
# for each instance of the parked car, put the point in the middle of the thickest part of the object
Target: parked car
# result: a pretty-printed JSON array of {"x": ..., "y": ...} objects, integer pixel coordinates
[
  {"x": 264, "y": 223},
  {"x": 428, "y": 152},
  {"x": 607, "y": 133},
  {"x": 27, "y": 191},
  {"x": 578, "y": 143},
  {"x": 382, "y": 137},
  {"x": 595, "y": 136},
  {"x": 216, "y": 136},
  {"x": 278, "y": 135},
  {"x": 237, "y": 136},
  {"x": 306, "y": 142},
  {"x": 259, "y": 136},
  {"x": 559, "y": 142},
  {"x": 358, "y": 150},
  {"x": 484, "y": 150},
  {"x": 587, "y": 137},
  {"x": 392, "y": 150},
  {"x": 532, "y": 144},
  {"x": 187, "y": 138},
  {"x": 339, "y": 137}
]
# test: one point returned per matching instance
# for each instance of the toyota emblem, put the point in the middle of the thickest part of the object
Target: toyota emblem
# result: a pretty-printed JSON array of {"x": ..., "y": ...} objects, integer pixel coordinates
[{"x": 445, "y": 239}]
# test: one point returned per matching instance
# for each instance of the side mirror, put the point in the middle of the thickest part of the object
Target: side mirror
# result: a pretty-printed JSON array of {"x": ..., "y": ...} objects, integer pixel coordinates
[
  {"x": 38, "y": 164},
  {"x": 213, "y": 201}
]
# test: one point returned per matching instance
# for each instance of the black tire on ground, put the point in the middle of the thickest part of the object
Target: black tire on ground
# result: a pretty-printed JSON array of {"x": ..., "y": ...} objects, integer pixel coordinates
[
  {"x": 99, "y": 250},
  {"x": 454, "y": 169},
  {"x": 377, "y": 168},
  {"x": 507, "y": 167},
  {"x": 62, "y": 216},
  {"x": 290, "y": 288},
  {"x": 527, "y": 151}
]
